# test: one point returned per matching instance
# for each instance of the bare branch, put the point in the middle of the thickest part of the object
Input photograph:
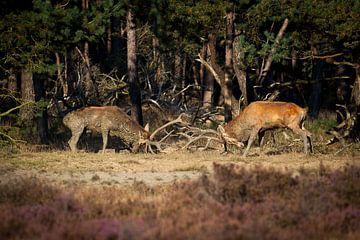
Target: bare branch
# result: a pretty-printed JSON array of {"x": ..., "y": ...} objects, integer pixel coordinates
[
  {"x": 177, "y": 120},
  {"x": 209, "y": 68}
]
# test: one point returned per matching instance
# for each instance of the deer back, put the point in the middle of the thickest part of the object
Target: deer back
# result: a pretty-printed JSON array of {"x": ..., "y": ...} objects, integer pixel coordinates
[{"x": 264, "y": 115}]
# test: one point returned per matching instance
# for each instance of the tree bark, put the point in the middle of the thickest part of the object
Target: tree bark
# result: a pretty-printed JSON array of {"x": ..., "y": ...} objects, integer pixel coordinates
[
  {"x": 42, "y": 117},
  {"x": 12, "y": 85},
  {"x": 134, "y": 89},
  {"x": 108, "y": 40},
  {"x": 355, "y": 94},
  {"x": 10, "y": 102},
  {"x": 177, "y": 67},
  {"x": 315, "y": 97},
  {"x": 240, "y": 73},
  {"x": 27, "y": 95},
  {"x": 26, "y": 113},
  {"x": 60, "y": 78},
  {"x": 228, "y": 65},
  {"x": 216, "y": 71},
  {"x": 206, "y": 78},
  {"x": 159, "y": 66}
]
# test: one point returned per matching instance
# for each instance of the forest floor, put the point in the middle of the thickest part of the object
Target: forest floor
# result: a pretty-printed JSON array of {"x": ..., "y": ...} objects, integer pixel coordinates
[{"x": 123, "y": 168}]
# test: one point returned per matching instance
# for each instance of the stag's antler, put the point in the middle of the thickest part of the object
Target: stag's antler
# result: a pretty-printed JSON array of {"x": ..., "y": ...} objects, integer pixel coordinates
[
  {"x": 151, "y": 142},
  {"x": 343, "y": 129}
]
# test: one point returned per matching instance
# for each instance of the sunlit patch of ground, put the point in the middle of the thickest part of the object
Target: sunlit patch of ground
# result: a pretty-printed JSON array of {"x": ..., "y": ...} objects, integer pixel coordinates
[{"x": 125, "y": 168}]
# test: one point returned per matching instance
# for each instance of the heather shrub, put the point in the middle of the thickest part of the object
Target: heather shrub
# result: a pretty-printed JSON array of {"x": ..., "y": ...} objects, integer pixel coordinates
[{"x": 231, "y": 203}]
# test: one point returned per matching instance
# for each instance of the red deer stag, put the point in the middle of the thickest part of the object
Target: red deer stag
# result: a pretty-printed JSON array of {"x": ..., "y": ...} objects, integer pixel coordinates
[
  {"x": 103, "y": 120},
  {"x": 260, "y": 116},
  {"x": 112, "y": 119}
]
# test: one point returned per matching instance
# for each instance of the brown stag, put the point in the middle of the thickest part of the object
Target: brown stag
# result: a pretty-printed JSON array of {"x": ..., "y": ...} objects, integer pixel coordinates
[
  {"x": 260, "y": 116},
  {"x": 112, "y": 119}
]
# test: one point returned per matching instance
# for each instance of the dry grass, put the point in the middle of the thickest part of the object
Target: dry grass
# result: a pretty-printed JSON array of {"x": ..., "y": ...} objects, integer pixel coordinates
[{"x": 180, "y": 195}]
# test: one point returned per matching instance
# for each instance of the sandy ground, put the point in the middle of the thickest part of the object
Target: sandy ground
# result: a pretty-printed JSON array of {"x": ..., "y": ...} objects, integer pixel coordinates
[{"x": 125, "y": 168}]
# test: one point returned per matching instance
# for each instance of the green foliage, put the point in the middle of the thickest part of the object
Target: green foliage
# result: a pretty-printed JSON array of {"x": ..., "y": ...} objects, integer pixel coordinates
[
  {"x": 6, "y": 134},
  {"x": 247, "y": 52},
  {"x": 321, "y": 125},
  {"x": 189, "y": 22}
]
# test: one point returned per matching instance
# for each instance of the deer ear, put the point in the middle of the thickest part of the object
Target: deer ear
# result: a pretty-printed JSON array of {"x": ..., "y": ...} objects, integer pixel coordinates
[{"x": 147, "y": 128}]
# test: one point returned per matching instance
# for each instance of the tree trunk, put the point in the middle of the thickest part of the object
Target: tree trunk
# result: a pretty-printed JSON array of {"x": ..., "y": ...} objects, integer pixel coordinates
[
  {"x": 217, "y": 72},
  {"x": 12, "y": 85},
  {"x": 183, "y": 80},
  {"x": 134, "y": 89},
  {"x": 42, "y": 117},
  {"x": 177, "y": 67},
  {"x": 228, "y": 65},
  {"x": 206, "y": 78},
  {"x": 90, "y": 94},
  {"x": 355, "y": 94},
  {"x": 60, "y": 78},
  {"x": 108, "y": 40},
  {"x": 315, "y": 97},
  {"x": 10, "y": 102},
  {"x": 266, "y": 69},
  {"x": 116, "y": 43},
  {"x": 212, "y": 57},
  {"x": 355, "y": 97},
  {"x": 26, "y": 113},
  {"x": 241, "y": 78},
  {"x": 27, "y": 95},
  {"x": 159, "y": 70}
]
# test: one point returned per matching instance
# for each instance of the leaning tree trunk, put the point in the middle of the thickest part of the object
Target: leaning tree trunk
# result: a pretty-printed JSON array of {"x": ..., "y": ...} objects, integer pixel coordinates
[
  {"x": 134, "y": 89},
  {"x": 265, "y": 70},
  {"x": 218, "y": 73}
]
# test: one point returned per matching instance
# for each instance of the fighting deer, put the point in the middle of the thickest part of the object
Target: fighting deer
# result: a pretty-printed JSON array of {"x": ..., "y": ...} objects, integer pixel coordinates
[
  {"x": 260, "y": 116},
  {"x": 112, "y": 119}
]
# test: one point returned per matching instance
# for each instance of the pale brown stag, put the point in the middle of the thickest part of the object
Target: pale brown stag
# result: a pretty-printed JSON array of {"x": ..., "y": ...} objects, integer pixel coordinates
[
  {"x": 112, "y": 119},
  {"x": 260, "y": 116},
  {"x": 103, "y": 120}
]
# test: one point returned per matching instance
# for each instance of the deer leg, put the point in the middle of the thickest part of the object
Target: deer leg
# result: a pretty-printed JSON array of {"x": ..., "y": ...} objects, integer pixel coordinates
[
  {"x": 310, "y": 143},
  {"x": 75, "y": 135},
  {"x": 261, "y": 135},
  {"x": 305, "y": 135},
  {"x": 105, "y": 135},
  {"x": 135, "y": 148},
  {"x": 250, "y": 141}
]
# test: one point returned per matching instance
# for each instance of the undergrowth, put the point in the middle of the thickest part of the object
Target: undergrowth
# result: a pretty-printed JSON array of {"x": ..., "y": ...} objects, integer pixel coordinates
[{"x": 233, "y": 203}]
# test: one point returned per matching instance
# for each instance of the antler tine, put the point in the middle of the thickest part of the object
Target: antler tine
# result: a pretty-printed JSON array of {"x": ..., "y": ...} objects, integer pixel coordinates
[
  {"x": 177, "y": 120},
  {"x": 201, "y": 137},
  {"x": 348, "y": 115}
]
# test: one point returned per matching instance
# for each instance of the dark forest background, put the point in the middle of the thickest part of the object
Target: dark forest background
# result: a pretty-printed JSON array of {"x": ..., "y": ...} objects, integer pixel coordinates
[{"x": 185, "y": 56}]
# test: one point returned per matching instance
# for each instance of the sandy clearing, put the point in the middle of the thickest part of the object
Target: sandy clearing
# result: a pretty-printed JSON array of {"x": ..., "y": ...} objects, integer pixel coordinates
[{"x": 126, "y": 168}]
